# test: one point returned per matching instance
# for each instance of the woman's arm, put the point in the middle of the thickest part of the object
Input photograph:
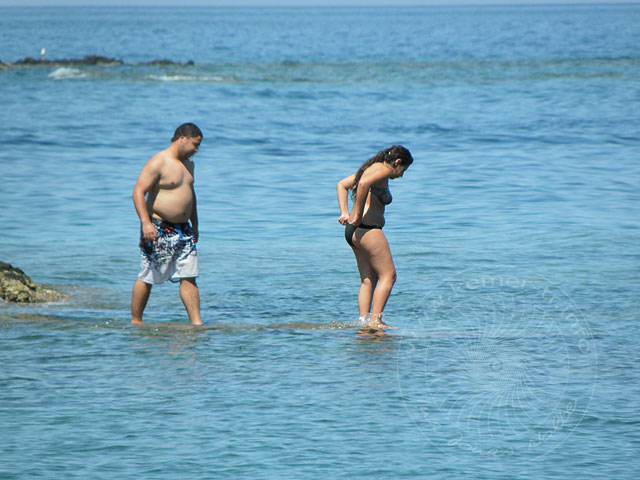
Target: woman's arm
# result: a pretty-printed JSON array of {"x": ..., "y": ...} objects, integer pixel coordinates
[
  {"x": 343, "y": 188},
  {"x": 373, "y": 174}
]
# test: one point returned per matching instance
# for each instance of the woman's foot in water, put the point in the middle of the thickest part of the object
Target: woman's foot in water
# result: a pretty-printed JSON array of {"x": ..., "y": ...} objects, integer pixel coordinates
[{"x": 376, "y": 323}]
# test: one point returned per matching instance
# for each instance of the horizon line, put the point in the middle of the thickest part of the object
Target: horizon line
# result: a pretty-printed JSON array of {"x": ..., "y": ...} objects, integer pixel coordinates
[{"x": 293, "y": 4}]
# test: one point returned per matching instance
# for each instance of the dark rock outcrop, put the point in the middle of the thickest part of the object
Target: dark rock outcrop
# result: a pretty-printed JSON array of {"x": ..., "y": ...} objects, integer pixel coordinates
[
  {"x": 163, "y": 62},
  {"x": 17, "y": 287},
  {"x": 89, "y": 60},
  {"x": 95, "y": 60}
]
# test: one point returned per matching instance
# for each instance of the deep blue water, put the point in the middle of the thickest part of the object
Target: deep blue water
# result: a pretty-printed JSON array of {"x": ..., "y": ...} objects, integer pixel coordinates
[{"x": 515, "y": 235}]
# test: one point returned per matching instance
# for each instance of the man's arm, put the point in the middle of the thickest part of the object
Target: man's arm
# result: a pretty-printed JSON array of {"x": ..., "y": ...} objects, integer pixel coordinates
[
  {"x": 149, "y": 176},
  {"x": 194, "y": 216},
  {"x": 191, "y": 168}
]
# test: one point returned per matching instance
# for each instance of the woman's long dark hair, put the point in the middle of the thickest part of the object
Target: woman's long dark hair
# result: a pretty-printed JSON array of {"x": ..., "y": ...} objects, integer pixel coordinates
[{"x": 387, "y": 155}]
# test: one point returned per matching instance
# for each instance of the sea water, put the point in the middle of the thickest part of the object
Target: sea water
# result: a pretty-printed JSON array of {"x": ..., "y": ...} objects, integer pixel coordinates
[{"x": 515, "y": 235}]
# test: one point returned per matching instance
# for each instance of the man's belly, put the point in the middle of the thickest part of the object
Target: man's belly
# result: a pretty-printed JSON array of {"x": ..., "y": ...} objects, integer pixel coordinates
[{"x": 173, "y": 206}]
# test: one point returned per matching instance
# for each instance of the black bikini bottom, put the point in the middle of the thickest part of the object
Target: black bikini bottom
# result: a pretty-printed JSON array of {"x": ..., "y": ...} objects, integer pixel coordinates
[{"x": 349, "y": 230}]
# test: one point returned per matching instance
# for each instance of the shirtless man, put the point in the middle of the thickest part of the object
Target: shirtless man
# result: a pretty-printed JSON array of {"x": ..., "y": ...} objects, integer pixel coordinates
[{"x": 167, "y": 240}]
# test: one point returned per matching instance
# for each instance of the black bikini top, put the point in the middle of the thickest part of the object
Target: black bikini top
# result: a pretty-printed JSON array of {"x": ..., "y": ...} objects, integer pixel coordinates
[{"x": 382, "y": 194}]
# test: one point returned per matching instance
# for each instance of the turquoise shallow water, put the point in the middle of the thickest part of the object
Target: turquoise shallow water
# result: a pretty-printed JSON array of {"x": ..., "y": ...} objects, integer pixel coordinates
[{"x": 515, "y": 235}]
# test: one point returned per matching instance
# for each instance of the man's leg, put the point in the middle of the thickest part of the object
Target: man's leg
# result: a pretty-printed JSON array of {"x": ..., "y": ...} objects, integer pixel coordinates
[
  {"x": 139, "y": 297},
  {"x": 191, "y": 299}
]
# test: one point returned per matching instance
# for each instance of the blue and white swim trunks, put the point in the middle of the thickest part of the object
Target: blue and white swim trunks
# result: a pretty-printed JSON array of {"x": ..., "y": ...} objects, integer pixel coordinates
[{"x": 172, "y": 256}]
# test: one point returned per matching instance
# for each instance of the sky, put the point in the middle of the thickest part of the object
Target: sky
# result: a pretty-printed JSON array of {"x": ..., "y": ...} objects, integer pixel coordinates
[{"x": 40, "y": 3}]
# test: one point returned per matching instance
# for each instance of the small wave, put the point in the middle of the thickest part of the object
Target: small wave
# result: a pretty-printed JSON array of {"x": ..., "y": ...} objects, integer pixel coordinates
[
  {"x": 186, "y": 78},
  {"x": 66, "y": 72},
  {"x": 170, "y": 71},
  {"x": 104, "y": 318},
  {"x": 302, "y": 325}
]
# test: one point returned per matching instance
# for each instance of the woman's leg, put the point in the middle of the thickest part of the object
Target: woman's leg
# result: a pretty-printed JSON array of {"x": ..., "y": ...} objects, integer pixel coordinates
[
  {"x": 368, "y": 281},
  {"x": 378, "y": 255}
]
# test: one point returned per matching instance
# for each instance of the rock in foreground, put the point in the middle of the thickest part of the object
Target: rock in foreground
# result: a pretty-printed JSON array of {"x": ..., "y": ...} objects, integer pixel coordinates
[{"x": 17, "y": 287}]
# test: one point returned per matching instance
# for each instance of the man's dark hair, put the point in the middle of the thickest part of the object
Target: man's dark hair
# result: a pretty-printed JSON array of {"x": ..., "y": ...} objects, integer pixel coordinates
[{"x": 189, "y": 130}]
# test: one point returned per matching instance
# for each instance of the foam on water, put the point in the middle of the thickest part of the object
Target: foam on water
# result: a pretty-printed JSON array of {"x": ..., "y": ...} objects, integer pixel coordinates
[
  {"x": 68, "y": 72},
  {"x": 436, "y": 72},
  {"x": 187, "y": 78}
]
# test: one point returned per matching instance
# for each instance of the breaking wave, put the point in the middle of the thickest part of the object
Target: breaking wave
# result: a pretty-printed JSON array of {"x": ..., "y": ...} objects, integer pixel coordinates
[
  {"x": 365, "y": 71},
  {"x": 67, "y": 72}
]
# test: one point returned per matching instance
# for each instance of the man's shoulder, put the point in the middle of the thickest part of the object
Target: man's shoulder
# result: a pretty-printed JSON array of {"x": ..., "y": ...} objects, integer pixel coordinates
[{"x": 160, "y": 159}]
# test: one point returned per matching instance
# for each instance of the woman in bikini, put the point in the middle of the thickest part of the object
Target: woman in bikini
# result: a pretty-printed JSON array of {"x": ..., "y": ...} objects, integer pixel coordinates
[{"x": 363, "y": 228}]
